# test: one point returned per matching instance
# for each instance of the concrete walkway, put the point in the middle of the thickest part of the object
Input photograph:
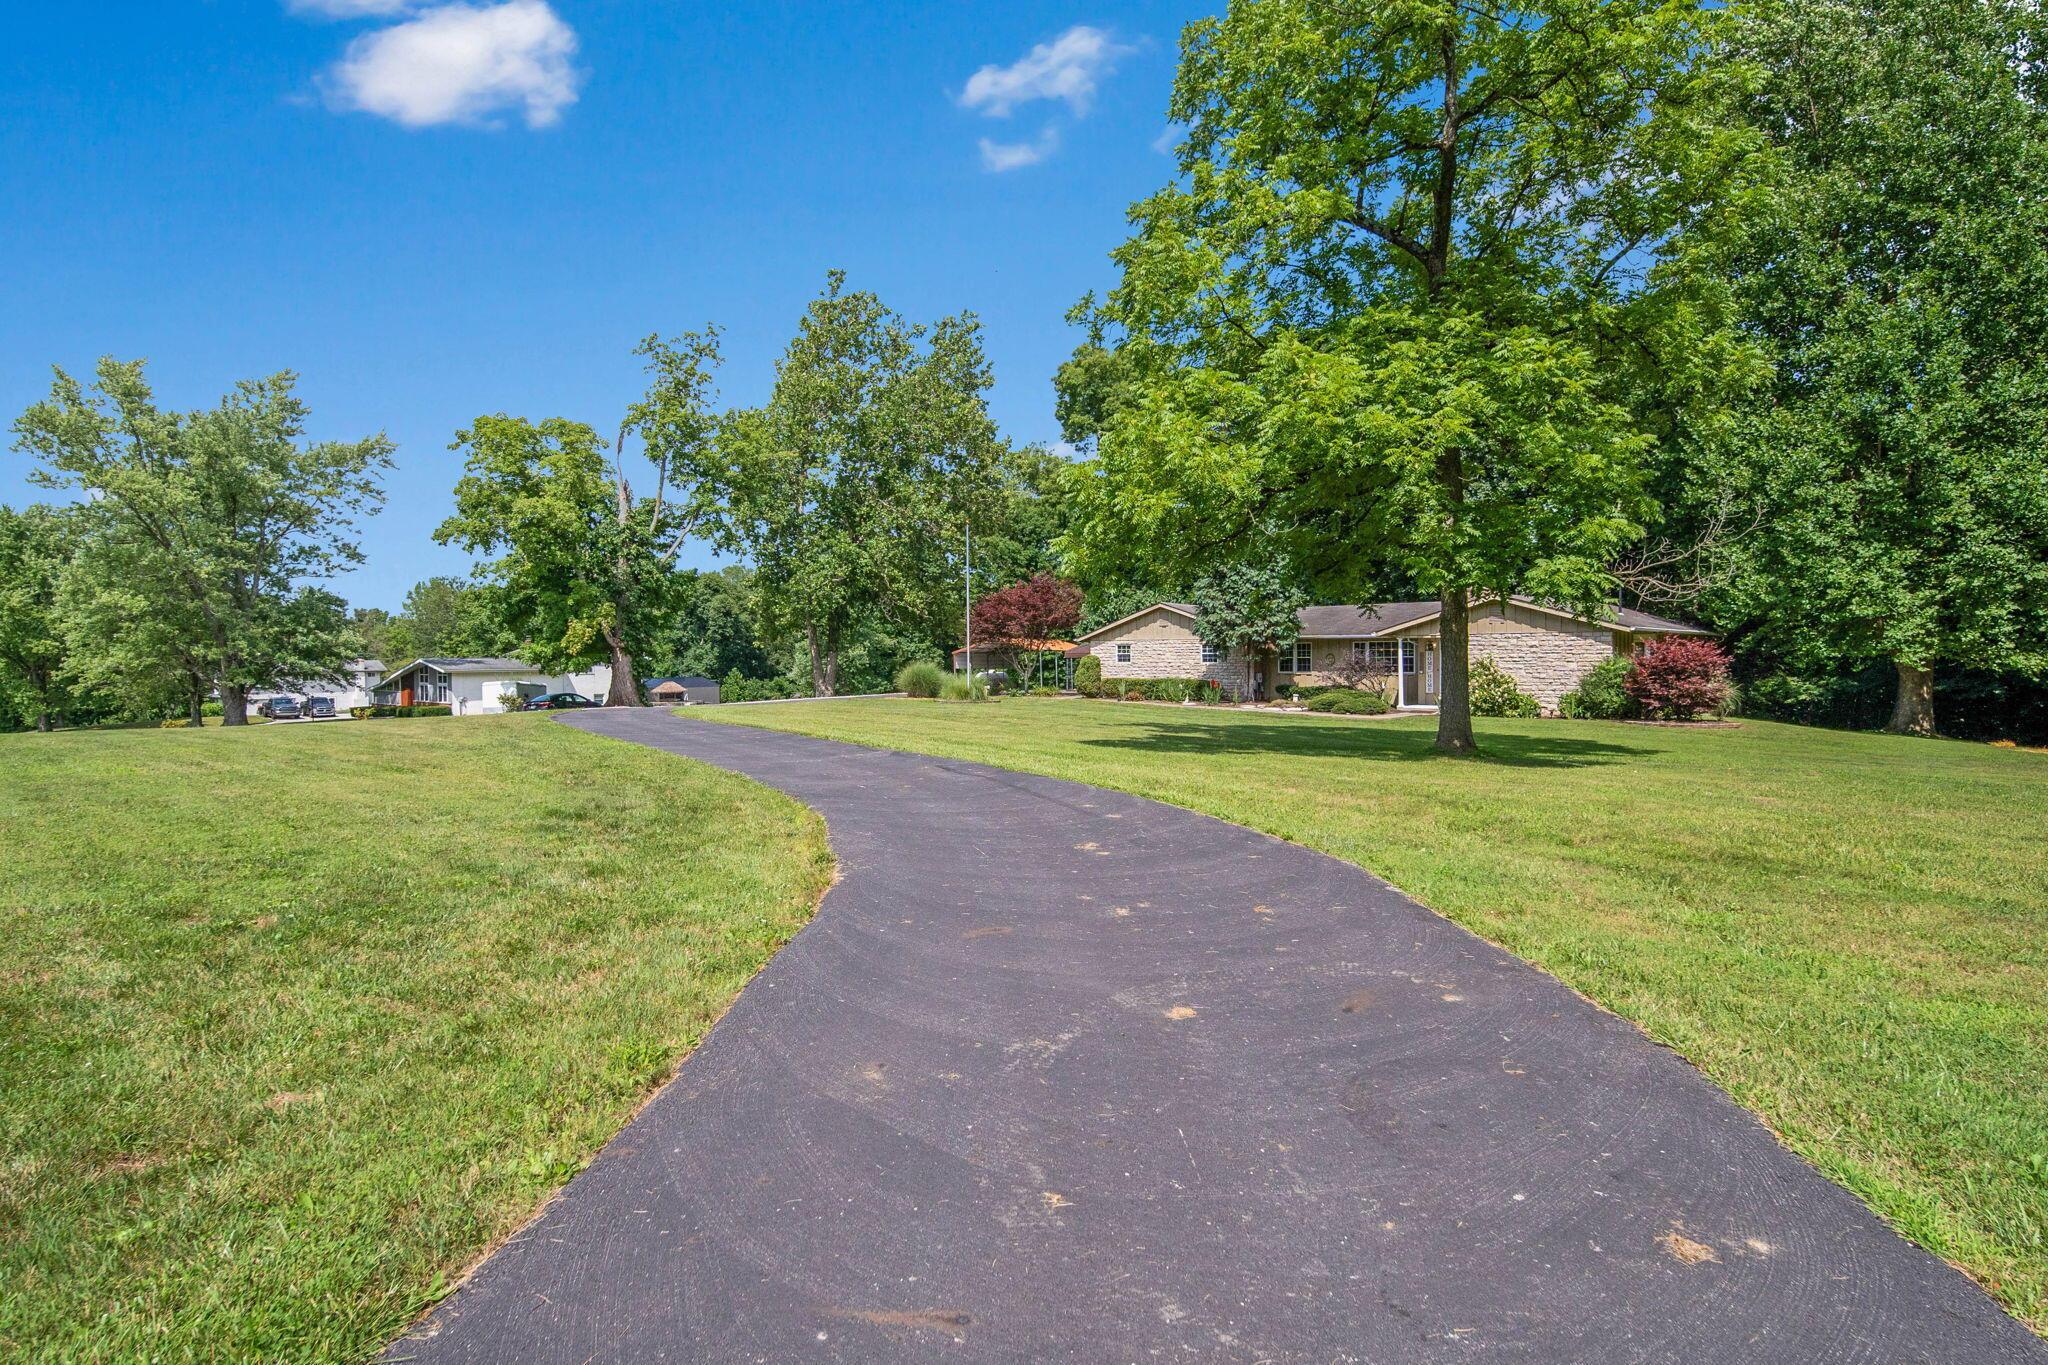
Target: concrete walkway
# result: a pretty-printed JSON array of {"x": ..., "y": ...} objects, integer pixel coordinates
[{"x": 1060, "y": 1074}]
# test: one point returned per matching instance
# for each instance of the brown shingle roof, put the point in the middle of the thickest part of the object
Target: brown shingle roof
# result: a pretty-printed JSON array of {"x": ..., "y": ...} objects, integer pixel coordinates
[{"x": 1372, "y": 619}]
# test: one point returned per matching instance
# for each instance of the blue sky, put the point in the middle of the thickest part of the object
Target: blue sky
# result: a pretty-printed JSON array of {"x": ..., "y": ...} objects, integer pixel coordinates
[{"x": 432, "y": 211}]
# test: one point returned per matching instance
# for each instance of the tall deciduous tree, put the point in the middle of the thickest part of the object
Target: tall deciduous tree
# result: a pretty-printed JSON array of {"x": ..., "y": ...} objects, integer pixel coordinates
[
  {"x": 1901, "y": 284},
  {"x": 850, "y": 489},
  {"x": 586, "y": 565},
  {"x": 1394, "y": 306},
  {"x": 223, "y": 518},
  {"x": 433, "y": 621},
  {"x": 36, "y": 548}
]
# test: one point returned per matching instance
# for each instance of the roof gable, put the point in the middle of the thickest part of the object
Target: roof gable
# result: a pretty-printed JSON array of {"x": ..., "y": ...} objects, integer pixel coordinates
[{"x": 1179, "y": 608}]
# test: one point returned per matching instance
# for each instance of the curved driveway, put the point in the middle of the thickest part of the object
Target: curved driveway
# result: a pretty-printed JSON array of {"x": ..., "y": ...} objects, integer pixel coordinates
[{"x": 1062, "y": 1074}]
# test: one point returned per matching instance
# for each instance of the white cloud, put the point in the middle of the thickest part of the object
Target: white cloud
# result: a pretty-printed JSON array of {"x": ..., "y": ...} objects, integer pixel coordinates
[
  {"x": 348, "y": 9},
  {"x": 1168, "y": 141},
  {"x": 462, "y": 63},
  {"x": 1067, "y": 68},
  {"x": 1010, "y": 156}
]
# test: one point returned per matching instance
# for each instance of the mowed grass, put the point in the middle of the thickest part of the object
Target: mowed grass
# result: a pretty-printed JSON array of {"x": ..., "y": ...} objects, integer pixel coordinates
[
  {"x": 299, "y": 1019},
  {"x": 1848, "y": 932}
]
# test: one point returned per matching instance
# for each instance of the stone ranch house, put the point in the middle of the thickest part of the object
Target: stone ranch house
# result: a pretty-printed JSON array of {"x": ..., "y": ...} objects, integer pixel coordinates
[{"x": 1546, "y": 650}]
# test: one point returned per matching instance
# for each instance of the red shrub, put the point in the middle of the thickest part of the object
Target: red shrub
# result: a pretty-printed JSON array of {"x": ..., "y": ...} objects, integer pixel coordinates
[{"x": 1678, "y": 679}]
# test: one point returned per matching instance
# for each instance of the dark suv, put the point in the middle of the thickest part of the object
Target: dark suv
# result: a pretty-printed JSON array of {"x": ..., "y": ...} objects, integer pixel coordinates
[
  {"x": 559, "y": 701},
  {"x": 320, "y": 708}
]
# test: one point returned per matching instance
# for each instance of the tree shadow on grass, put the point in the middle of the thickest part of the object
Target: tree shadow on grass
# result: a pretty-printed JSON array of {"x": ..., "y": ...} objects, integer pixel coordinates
[{"x": 1366, "y": 740}]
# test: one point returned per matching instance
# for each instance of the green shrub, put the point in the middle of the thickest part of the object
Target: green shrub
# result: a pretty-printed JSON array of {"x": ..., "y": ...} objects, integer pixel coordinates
[
  {"x": 1045, "y": 692},
  {"x": 380, "y": 711},
  {"x": 921, "y": 678},
  {"x": 210, "y": 708},
  {"x": 1159, "y": 689},
  {"x": 1088, "y": 676},
  {"x": 1731, "y": 701},
  {"x": 738, "y": 688},
  {"x": 955, "y": 687},
  {"x": 1348, "y": 701},
  {"x": 1600, "y": 694},
  {"x": 1494, "y": 693}
]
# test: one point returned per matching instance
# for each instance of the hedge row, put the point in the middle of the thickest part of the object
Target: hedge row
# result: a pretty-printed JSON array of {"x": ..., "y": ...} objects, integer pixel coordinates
[
  {"x": 1152, "y": 689},
  {"x": 379, "y": 712}
]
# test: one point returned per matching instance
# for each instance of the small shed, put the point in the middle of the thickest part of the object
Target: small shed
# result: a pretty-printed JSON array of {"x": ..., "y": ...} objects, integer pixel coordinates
[{"x": 691, "y": 691}]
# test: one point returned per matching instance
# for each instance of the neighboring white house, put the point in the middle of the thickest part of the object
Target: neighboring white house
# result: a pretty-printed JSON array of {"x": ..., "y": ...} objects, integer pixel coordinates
[
  {"x": 351, "y": 687},
  {"x": 476, "y": 687}
]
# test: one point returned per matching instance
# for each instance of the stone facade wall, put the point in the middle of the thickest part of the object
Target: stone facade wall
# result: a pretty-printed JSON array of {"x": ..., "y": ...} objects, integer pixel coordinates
[
  {"x": 1162, "y": 646},
  {"x": 1544, "y": 663}
]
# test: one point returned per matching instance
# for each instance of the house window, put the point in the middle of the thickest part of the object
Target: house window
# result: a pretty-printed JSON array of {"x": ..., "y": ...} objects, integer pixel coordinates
[
  {"x": 1385, "y": 655},
  {"x": 1298, "y": 658},
  {"x": 1123, "y": 654},
  {"x": 1211, "y": 654}
]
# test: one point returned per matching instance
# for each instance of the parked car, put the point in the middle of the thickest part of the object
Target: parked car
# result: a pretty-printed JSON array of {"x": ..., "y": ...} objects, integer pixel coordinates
[
  {"x": 559, "y": 701},
  {"x": 320, "y": 708},
  {"x": 279, "y": 708}
]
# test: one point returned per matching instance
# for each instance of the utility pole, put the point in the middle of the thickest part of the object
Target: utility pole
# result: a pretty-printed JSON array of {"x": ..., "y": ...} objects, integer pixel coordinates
[{"x": 967, "y": 597}]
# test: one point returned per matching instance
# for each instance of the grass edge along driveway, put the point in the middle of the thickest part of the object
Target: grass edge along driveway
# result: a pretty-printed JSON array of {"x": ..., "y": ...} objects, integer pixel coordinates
[
  {"x": 302, "y": 1018},
  {"x": 1847, "y": 932}
]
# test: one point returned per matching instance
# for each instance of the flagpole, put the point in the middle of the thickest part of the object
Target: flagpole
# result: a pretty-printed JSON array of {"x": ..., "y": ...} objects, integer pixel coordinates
[{"x": 967, "y": 599}]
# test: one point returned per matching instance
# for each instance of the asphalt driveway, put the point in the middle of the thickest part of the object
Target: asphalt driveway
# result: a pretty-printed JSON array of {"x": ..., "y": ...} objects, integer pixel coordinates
[{"x": 1062, "y": 1074}]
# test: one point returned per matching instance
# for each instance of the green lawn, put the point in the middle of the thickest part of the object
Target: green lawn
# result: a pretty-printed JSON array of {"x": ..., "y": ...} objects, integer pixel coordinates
[
  {"x": 299, "y": 1019},
  {"x": 1849, "y": 932}
]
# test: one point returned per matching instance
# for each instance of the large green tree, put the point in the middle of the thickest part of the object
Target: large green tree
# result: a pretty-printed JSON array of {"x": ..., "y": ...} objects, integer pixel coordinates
[
  {"x": 36, "y": 548},
  {"x": 711, "y": 631},
  {"x": 585, "y": 566},
  {"x": 1253, "y": 609},
  {"x": 1901, "y": 286},
  {"x": 1398, "y": 304},
  {"x": 435, "y": 620},
  {"x": 219, "y": 523},
  {"x": 135, "y": 635},
  {"x": 851, "y": 489}
]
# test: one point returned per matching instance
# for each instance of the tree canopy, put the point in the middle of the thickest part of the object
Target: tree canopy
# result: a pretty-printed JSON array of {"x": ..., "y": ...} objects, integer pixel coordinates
[
  {"x": 585, "y": 566},
  {"x": 1396, "y": 311},
  {"x": 210, "y": 529},
  {"x": 36, "y": 549},
  {"x": 850, "y": 491},
  {"x": 1899, "y": 283}
]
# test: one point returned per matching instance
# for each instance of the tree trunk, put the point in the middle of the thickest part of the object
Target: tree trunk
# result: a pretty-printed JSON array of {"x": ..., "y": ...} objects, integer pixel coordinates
[
  {"x": 195, "y": 699},
  {"x": 1913, "y": 713},
  {"x": 625, "y": 688},
  {"x": 234, "y": 704},
  {"x": 44, "y": 723},
  {"x": 817, "y": 655},
  {"x": 1454, "y": 702},
  {"x": 831, "y": 673}
]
